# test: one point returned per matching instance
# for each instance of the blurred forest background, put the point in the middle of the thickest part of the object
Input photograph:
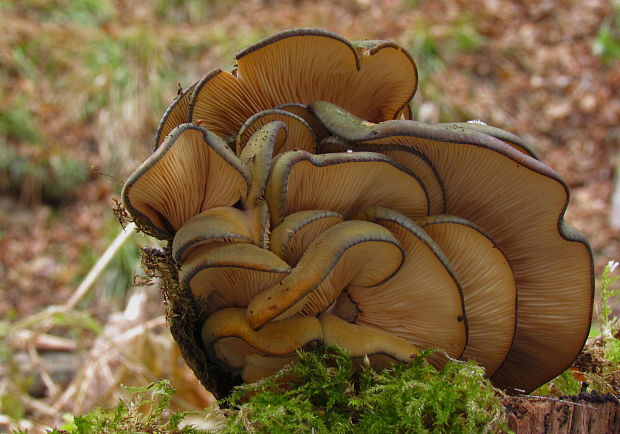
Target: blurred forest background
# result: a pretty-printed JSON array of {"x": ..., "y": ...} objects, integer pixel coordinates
[{"x": 83, "y": 84}]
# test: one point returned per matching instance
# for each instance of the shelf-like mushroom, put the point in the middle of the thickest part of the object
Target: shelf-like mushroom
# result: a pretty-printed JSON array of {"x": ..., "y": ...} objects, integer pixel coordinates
[
  {"x": 299, "y": 132},
  {"x": 360, "y": 341},
  {"x": 344, "y": 183},
  {"x": 423, "y": 302},
  {"x": 520, "y": 203},
  {"x": 192, "y": 171},
  {"x": 277, "y": 338},
  {"x": 302, "y": 66},
  {"x": 488, "y": 283},
  {"x": 215, "y": 225},
  {"x": 176, "y": 114},
  {"x": 230, "y": 275},
  {"x": 291, "y": 238}
]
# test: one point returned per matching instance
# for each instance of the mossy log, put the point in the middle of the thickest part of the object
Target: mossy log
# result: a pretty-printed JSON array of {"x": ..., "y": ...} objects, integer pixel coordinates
[{"x": 584, "y": 413}]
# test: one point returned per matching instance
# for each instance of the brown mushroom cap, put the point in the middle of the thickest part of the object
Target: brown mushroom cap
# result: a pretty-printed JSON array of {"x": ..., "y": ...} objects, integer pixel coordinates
[
  {"x": 375, "y": 80},
  {"x": 488, "y": 283},
  {"x": 192, "y": 171},
  {"x": 408, "y": 158},
  {"x": 221, "y": 224},
  {"x": 304, "y": 112},
  {"x": 230, "y": 274},
  {"x": 505, "y": 136},
  {"x": 352, "y": 252},
  {"x": 520, "y": 203},
  {"x": 344, "y": 183},
  {"x": 291, "y": 238},
  {"x": 423, "y": 302}
]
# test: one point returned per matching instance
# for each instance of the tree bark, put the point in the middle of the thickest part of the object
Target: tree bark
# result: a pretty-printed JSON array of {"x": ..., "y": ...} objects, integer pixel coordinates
[{"x": 585, "y": 413}]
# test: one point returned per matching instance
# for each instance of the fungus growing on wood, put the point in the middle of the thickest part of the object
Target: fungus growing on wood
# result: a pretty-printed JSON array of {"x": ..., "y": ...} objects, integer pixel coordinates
[{"x": 337, "y": 220}]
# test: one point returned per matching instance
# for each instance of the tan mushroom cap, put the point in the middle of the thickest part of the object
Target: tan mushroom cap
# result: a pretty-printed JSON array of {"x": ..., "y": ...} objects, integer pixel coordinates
[
  {"x": 407, "y": 158},
  {"x": 352, "y": 252},
  {"x": 423, "y": 302},
  {"x": 291, "y": 238},
  {"x": 192, "y": 171},
  {"x": 228, "y": 275},
  {"x": 221, "y": 224},
  {"x": 342, "y": 182},
  {"x": 488, "y": 283},
  {"x": 275, "y": 338},
  {"x": 375, "y": 81},
  {"x": 520, "y": 203},
  {"x": 299, "y": 133},
  {"x": 362, "y": 341}
]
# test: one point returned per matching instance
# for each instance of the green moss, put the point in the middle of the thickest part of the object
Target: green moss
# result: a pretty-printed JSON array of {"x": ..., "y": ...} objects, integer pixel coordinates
[
  {"x": 328, "y": 395},
  {"x": 323, "y": 393}
]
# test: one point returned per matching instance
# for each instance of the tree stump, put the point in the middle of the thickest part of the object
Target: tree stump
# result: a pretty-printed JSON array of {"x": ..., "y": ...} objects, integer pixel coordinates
[{"x": 584, "y": 413}]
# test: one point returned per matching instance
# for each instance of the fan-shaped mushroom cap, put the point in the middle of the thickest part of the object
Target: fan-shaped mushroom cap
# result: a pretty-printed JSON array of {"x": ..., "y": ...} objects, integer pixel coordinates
[
  {"x": 362, "y": 341},
  {"x": 221, "y": 224},
  {"x": 375, "y": 79},
  {"x": 423, "y": 302},
  {"x": 488, "y": 284},
  {"x": 520, "y": 203},
  {"x": 230, "y": 274},
  {"x": 304, "y": 112},
  {"x": 353, "y": 252},
  {"x": 344, "y": 183},
  {"x": 192, "y": 171},
  {"x": 408, "y": 158},
  {"x": 275, "y": 338},
  {"x": 291, "y": 238}
]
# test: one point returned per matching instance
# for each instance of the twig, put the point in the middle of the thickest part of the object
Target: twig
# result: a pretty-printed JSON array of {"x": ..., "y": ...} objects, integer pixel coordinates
[{"x": 103, "y": 261}]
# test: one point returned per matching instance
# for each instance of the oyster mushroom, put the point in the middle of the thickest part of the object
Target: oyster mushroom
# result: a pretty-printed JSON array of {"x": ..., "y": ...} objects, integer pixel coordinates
[
  {"x": 520, "y": 203},
  {"x": 192, "y": 171},
  {"x": 400, "y": 236},
  {"x": 489, "y": 288},
  {"x": 423, "y": 302},
  {"x": 302, "y": 66},
  {"x": 230, "y": 275},
  {"x": 344, "y": 183}
]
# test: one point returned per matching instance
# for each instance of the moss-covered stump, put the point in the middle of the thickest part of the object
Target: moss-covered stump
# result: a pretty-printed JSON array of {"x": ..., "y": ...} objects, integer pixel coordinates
[{"x": 584, "y": 413}]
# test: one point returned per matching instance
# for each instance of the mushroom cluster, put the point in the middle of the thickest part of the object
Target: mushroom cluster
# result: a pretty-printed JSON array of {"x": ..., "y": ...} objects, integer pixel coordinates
[{"x": 303, "y": 206}]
